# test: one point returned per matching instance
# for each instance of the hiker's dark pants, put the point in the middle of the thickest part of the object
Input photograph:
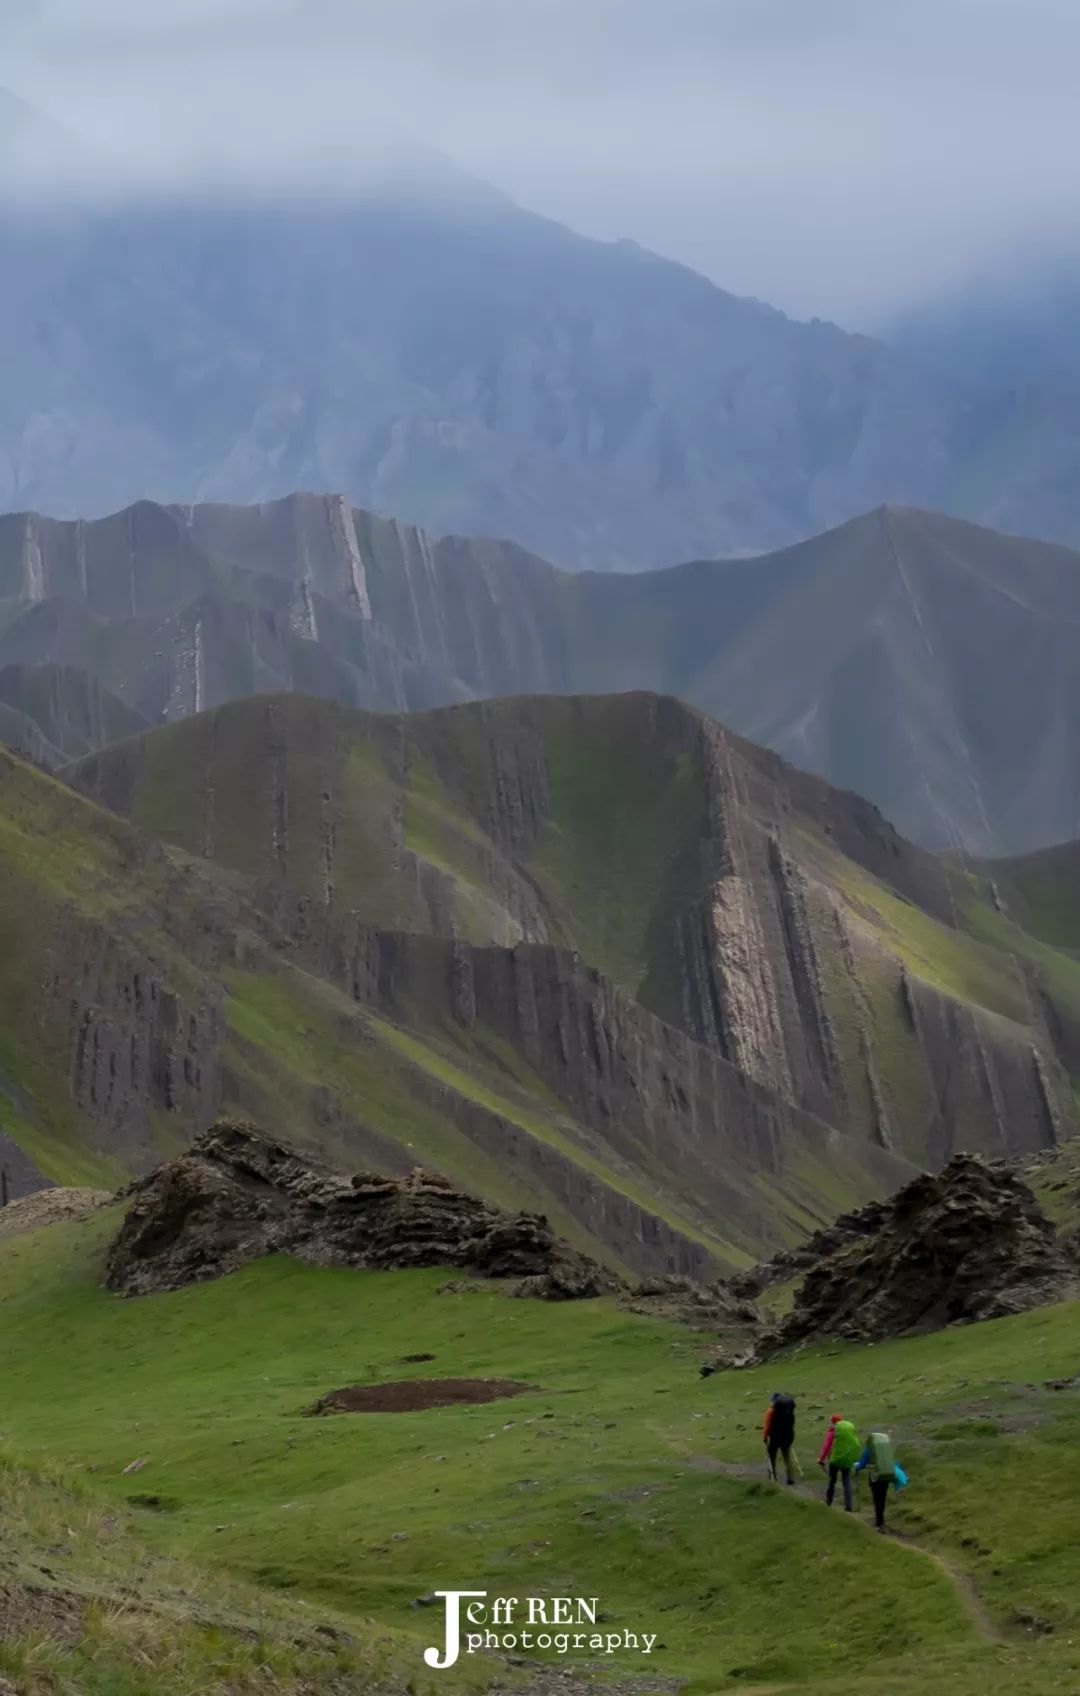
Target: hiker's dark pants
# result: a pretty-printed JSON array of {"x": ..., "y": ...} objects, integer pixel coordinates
[
  {"x": 879, "y": 1490},
  {"x": 836, "y": 1472},
  {"x": 779, "y": 1449}
]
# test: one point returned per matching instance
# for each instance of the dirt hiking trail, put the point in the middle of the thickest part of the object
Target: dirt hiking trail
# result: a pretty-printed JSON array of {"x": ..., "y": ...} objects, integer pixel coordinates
[{"x": 809, "y": 1490}]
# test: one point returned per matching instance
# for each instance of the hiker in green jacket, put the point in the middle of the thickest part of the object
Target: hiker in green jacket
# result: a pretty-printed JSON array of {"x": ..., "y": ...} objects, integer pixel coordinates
[
  {"x": 884, "y": 1470},
  {"x": 839, "y": 1452}
]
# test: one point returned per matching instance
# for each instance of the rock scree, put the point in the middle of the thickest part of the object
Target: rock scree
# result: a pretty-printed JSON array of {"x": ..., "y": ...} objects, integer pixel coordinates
[
  {"x": 49, "y": 1207},
  {"x": 237, "y": 1195},
  {"x": 410, "y": 1395},
  {"x": 969, "y": 1242}
]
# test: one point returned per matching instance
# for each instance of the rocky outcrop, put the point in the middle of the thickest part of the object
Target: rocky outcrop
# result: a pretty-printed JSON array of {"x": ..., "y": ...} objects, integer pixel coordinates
[
  {"x": 716, "y": 1302},
  {"x": 49, "y": 1206},
  {"x": 238, "y": 1195},
  {"x": 969, "y": 1242}
]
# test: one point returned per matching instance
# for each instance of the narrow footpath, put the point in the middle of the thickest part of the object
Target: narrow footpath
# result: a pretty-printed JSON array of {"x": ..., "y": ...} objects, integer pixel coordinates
[{"x": 811, "y": 1491}]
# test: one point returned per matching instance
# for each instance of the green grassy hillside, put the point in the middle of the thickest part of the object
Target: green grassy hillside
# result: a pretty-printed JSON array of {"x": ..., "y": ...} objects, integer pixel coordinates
[
  {"x": 1055, "y": 1178},
  {"x": 623, "y": 1475},
  {"x": 772, "y": 918},
  {"x": 142, "y": 991},
  {"x": 87, "y": 1605},
  {"x": 1042, "y": 892},
  {"x": 113, "y": 952},
  {"x": 578, "y": 823}
]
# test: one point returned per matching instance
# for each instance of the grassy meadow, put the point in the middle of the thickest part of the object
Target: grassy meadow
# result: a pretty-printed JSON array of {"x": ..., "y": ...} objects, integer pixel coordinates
[{"x": 622, "y": 1475}]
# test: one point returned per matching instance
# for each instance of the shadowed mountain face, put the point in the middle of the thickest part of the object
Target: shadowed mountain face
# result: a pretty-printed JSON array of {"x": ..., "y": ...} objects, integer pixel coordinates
[{"x": 918, "y": 660}]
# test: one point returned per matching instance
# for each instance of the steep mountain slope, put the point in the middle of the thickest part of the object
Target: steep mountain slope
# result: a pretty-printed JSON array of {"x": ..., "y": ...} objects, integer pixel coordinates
[
  {"x": 921, "y": 661},
  {"x": 23, "y": 736},
  {"x": 780, "y": 924},
  {"x": 142, "y": 991},
  {"x": 593, "y": 956},
  {"x": 72, "y": 712},
  {"x": 926, "y": 664}
]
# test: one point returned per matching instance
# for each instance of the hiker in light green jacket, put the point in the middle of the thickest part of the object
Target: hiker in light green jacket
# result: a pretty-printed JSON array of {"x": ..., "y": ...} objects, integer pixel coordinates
[{"x": 839, "y": 1452}]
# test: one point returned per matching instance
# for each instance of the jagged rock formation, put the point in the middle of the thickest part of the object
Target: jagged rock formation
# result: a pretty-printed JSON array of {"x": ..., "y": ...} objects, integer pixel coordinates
[
  {"x": 237, "y": 1195},
  {"x": 969, "y": 1242}
]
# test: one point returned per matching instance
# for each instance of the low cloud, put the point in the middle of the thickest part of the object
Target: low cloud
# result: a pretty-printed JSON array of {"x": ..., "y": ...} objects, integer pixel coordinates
[{"x": 845, "y": 158}]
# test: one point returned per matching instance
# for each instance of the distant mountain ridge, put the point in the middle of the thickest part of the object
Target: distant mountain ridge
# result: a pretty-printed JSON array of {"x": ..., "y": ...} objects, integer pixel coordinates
[
  {"x": 915, "y": 659},
  {"x": 436, "y": 351}
]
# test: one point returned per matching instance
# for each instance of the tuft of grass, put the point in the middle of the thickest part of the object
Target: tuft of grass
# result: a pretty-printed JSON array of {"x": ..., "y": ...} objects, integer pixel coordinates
[{"x": 87, "y": 1606}]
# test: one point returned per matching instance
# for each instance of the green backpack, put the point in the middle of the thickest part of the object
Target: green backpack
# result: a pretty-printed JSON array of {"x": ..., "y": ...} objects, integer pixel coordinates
[
  {"x": 846, "y": 1447},
  {"x": 882, "y": 1459}
]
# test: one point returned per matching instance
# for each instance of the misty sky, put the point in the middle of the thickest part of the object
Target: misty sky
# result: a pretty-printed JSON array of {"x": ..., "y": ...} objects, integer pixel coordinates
[{"x": 839, "y": 157}]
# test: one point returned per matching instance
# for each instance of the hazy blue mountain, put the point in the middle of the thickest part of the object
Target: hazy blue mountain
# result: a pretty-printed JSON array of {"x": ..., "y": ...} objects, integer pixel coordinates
[
  {"x": 436, "y": 352},
  {"x": 1000, "y": 331},
  {"x": 443, "y": 355}
]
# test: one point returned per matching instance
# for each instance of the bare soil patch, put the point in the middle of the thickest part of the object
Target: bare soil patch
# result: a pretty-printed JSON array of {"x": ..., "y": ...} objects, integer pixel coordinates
[
  {"x": 27, "y": 1609},
  {"x": 409, "y": 1395}
]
